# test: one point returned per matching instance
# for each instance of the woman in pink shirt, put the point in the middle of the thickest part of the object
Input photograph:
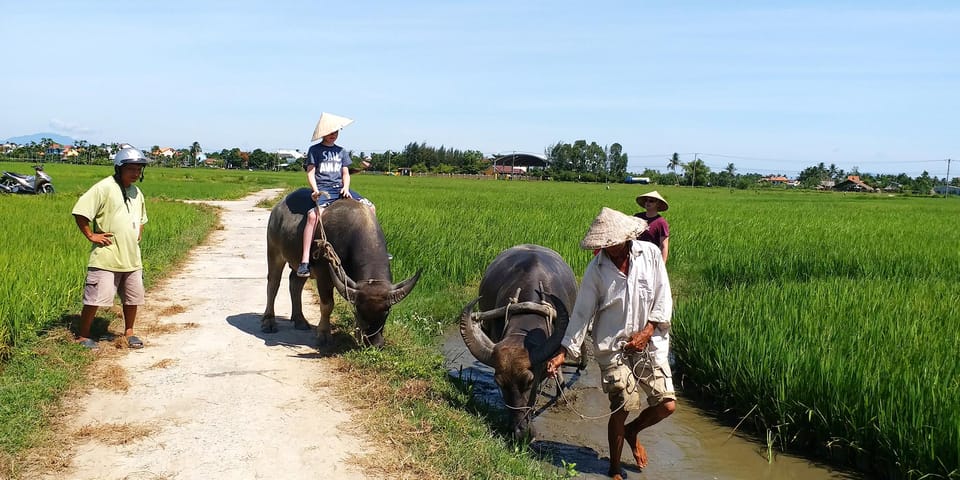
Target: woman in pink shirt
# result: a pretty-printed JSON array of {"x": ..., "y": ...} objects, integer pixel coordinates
[{"x": 658, "y": 230}]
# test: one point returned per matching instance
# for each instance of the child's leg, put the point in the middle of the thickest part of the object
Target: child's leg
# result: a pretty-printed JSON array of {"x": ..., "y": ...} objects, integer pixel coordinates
[{"x": 308, "y": 230}]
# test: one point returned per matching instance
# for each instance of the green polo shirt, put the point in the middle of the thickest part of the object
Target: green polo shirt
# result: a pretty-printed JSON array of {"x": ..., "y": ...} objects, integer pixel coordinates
[{"x": 103, "y": 205}]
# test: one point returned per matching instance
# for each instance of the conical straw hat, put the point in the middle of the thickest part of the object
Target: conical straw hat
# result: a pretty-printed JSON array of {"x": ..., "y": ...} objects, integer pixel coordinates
[
  {"x": 663, "y": 203},
  {"x": 328, "y": 124},
  {"x": 612, "y": 228}
]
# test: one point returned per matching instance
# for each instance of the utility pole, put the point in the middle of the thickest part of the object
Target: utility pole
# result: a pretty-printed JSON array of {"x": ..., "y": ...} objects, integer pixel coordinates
[
  {"x": 693, "y": 171},
  {"x": 946, "y": 190}
]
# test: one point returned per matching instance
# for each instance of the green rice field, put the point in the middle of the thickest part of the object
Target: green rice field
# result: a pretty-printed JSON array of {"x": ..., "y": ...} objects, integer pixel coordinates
[
  {"x": 827, "y": 320},
  {"x": 830, "y": 318}
]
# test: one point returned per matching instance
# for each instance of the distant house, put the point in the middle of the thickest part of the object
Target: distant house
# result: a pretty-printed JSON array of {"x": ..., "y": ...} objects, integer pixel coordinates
[
  {"x": 775, "y": 180},
  {"x": 853, "y": 184},
  {"x": 290, "y": 156},
  {"x": 893, "y": 187},
  {"x": 54, "y": 150},
  {"x": 8, "y": 147},
  {"x": 515, "y": 163},
  {"x": 69, "y": 153},
  {"x": 166, "y": 152},
  {"x": 505, "y": 170}
]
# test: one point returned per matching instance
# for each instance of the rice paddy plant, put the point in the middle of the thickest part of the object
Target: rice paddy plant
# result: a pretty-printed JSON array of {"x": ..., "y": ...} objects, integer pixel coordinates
[
  {"x": 804, "y": 306},
  {"x": 839, "y": 325},
  {"x": 453, "y": 228},
  {"x": 40, "y": 253}
]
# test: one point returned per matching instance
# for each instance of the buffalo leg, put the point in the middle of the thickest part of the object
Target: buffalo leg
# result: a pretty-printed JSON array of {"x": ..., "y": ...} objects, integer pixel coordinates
[
  {"x": 296, "y": 301},
  {"x": 325, "y": 292},
  {"x": 275, "y": 264}
]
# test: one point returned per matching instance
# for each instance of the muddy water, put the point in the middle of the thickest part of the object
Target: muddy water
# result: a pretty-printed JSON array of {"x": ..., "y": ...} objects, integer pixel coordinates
[{"x": 687, "y": 445}]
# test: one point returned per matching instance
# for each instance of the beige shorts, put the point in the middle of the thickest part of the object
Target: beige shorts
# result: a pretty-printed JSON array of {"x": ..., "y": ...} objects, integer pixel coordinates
[
  {"x": 627, "y": 381},
  {"x": 101, "y": 286}
]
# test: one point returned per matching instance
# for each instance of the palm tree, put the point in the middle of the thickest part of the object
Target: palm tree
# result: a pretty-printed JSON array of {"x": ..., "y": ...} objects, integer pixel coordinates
[
  {"x": 673, "y": 164},
  {"x": 731, "y": 170},
  {"x": 195, "y": 152}
]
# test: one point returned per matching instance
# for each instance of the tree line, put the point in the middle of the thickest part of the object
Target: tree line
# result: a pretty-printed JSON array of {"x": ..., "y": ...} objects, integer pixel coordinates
[{"x": 577, "y": 161}]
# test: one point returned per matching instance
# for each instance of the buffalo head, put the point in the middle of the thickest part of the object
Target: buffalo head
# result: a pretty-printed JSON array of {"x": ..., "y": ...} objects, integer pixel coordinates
[
  {"x": 519, "y": 359},
  {"x": 371, "y": 301}
]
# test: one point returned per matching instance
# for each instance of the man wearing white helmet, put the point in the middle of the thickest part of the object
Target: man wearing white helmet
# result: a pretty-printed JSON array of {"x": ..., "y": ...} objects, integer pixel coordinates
[{"x": 111, "y": 215}]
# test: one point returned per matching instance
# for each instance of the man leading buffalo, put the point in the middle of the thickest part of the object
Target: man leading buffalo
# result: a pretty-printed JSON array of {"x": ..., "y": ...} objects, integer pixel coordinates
[{"x": 625, "y": 296}]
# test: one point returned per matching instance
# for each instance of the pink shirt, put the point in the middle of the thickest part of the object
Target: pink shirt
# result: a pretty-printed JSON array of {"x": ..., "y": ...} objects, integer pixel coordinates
[{"x": 657, "y": 230}]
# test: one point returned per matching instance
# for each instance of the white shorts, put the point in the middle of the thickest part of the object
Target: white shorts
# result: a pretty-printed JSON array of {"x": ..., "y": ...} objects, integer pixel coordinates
[{"x": 101, "y": 286}]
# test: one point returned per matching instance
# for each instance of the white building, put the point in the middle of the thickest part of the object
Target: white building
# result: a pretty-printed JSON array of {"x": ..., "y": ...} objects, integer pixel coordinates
[{"x": 290, "y": 155}]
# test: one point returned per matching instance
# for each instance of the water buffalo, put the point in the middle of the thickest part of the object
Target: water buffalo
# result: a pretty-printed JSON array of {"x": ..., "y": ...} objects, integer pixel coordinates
[
  {"x": 524, "y": 298},
  {"x": 353, "y": 231}
]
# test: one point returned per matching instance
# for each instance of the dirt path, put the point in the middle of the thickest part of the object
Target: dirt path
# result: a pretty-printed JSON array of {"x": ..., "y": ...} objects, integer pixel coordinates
[{"x": 214, "y": 398}]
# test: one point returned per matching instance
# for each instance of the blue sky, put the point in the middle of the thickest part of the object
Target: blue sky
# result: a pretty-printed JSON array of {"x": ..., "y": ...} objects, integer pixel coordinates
[{"x": 771, "y": 86}]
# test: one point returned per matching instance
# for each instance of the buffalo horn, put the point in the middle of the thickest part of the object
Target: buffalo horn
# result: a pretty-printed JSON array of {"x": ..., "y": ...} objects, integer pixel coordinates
[
  {"x": 347, "y": 291},
  {"x": 403, "y": 288},
  {"x": 479, "y": 344}
]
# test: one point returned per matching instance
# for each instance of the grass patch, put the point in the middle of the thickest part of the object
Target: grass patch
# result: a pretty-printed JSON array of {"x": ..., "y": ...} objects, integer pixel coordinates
[{"x": 31, "y": 384}]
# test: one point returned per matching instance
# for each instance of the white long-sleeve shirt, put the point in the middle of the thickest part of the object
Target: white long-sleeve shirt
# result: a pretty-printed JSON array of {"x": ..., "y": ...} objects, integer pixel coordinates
[{"x": 619, "y": 305}]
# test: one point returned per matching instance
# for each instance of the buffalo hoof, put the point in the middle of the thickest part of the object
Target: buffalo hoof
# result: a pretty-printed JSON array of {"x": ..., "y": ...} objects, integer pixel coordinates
[
  {"x": 324, "y": 339},
  {"x": 268, "y": 328},
  {"x": 301, "y": 324}
]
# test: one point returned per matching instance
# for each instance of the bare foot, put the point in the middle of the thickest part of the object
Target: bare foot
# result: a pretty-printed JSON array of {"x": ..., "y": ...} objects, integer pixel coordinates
[
  {"x": 639, "y": 453},
  {"x": 615, "y": 476}
]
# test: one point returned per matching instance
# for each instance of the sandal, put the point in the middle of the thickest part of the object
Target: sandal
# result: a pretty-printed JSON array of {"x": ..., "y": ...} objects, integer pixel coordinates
[
  {"x": 89, "y": 344},
  {"x": 134, "y": 342}
]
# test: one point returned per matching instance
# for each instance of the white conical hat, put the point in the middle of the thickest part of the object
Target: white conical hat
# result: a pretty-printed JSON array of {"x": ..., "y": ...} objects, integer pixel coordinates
[
  {"x": 612, "y": 228},
  {"x": 656, "y": 196},
  {"x": 328, "y": 124}
]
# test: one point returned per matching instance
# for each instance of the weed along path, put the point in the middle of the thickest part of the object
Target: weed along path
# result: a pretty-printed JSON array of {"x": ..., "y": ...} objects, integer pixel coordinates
[{"x": 210, "y": 397}]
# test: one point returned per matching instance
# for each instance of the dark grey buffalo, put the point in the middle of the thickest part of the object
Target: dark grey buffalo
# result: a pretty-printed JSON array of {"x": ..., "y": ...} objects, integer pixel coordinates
[
  {"x": 353, "y": 231},
  {"x": 525, "y": 295}
]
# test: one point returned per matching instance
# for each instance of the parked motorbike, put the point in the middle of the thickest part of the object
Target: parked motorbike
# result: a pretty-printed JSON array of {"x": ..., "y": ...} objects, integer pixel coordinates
[{"x": 38, "y": 183}]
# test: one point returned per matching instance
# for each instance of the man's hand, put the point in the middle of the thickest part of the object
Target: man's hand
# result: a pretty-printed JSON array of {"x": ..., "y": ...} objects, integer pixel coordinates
[
  {"x": 102, "y": 239},
  {"x": 638, "y": 342},
  {"x": 553, "y": 365}
]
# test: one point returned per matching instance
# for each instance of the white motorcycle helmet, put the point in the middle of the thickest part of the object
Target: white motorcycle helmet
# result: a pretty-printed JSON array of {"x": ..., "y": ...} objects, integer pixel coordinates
[{"x": 128, "y": 155}]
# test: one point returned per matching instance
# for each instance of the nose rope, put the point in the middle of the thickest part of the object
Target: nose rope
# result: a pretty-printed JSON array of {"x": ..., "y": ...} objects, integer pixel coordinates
[
  {"x": 363, "y": 336},
  {"x": 325, "y": 249},
  {"x": 577, "y": 412},
  {"x": 646, "y": 359}
]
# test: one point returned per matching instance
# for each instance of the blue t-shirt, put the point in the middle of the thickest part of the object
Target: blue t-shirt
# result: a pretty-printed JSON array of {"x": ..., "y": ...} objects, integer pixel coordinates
[{"x": 328, "y": 162}]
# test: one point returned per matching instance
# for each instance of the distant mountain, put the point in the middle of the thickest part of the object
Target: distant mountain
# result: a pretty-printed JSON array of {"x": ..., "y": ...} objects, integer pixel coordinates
[{"x": 37, "y": 137}]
